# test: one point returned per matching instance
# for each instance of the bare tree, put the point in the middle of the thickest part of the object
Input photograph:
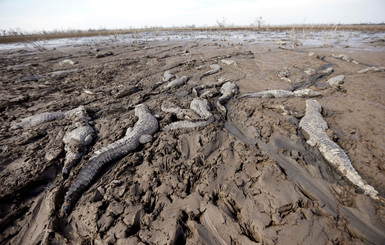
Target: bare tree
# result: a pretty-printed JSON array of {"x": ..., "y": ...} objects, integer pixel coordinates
[
  {"x": 222, "y": 23},
  {"x": 259, "y": 22}
]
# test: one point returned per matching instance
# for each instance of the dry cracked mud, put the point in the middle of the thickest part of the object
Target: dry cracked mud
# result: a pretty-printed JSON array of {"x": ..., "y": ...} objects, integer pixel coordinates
[{"x": 248, "y": 177}]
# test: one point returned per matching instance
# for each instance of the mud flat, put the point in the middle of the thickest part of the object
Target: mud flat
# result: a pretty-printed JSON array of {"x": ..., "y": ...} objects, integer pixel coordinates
[{"x": 218, "y": 155}]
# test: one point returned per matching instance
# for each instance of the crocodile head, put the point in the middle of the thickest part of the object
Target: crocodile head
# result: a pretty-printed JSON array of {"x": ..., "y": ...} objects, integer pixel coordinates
[
  {"x": 313, "y": 105},
  {"x": 141, "y": 109}
]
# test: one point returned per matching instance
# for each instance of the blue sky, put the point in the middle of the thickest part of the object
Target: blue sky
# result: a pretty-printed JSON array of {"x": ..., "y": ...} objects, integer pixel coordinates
[{"x": 36, "y": 15}]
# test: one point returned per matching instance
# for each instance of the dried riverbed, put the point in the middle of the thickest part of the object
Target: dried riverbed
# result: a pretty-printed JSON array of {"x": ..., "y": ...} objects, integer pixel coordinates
[{"x": 241, "y": 174}]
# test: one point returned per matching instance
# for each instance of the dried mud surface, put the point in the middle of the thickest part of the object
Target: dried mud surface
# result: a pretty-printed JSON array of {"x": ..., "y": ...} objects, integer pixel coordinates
[{"x": 247, "y": 178}]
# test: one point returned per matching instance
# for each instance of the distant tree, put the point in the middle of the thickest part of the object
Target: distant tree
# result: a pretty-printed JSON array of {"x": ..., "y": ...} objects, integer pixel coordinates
[
  {"x": 222, "y": 23},
  {"x": 259, "y": 22}
]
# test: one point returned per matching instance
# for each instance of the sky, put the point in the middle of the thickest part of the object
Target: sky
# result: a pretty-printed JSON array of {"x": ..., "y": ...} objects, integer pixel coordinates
[{"x": 49, "y": 15}]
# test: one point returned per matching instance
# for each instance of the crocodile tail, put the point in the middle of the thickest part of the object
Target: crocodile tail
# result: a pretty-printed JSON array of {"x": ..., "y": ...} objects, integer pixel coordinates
[{"x": 82, "y": 181}]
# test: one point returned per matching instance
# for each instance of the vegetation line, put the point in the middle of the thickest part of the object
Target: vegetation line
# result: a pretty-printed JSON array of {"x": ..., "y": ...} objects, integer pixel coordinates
[{"x": 13, "y": 36}]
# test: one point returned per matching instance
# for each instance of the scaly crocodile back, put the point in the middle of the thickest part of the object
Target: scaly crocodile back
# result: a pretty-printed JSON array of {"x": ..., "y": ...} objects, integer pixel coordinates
[{"x": 146, "y": 125}]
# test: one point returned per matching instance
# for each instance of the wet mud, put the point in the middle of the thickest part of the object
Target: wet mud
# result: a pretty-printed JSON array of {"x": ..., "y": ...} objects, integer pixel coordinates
[{"x": 245, "y": 176}]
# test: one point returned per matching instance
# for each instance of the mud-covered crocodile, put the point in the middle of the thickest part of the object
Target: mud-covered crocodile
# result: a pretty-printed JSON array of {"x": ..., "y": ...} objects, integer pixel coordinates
[
  {"x": 141, "y": 133},
  {"x": 214, "y": 69},
  {"x": 279, "y": 93},
  {"x": 228, "y": 90},
  {"x": 315, "y": 127},
  {"x": 77, "y": 140},
  {"x": 44, "y": 117},
  {"x": 197, "y": 106},
  {"x": 176, "y": 82},
  {"x": 197, "y": 89}
]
